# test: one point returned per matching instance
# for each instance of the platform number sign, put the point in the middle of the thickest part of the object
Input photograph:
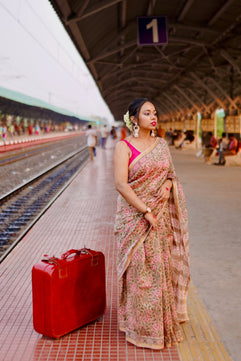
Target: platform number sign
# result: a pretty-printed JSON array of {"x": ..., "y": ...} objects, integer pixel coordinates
[{"x": 152, "y": 30}]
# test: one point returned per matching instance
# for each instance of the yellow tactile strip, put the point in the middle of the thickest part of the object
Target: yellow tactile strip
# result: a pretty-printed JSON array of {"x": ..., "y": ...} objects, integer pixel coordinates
[{"x": 201, "y": 341}]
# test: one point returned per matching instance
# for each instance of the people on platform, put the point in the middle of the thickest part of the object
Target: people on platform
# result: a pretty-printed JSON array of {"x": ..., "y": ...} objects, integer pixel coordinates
[
  {"x": 112, "y": 138},
  {"x": 223, "y": 142},
  {"x": 113, "y": 133},
  {"x": 169, "y": 136},
  {"x": 188, "y": 139},
  {"x": 152, "y": 234},
  {"x": 209, "y": 144},
  {"x": 4, "y": 134},
  {"x": 91, "y": 140},
  {"x": 37, "y": 129},
  {"x": 104, "y": 135},
  {"x": 231, "y": 149}
]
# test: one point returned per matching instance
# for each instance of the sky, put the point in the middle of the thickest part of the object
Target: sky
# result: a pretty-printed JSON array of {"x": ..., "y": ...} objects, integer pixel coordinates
[{"x": 38, "y": 58}]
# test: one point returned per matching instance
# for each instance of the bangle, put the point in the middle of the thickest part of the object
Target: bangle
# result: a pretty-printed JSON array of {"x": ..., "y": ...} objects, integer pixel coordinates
[{"x": 148, "y": 210}]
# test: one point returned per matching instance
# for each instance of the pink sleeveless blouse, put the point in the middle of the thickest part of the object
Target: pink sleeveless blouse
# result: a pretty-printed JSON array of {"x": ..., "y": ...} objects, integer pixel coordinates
[{"x": 134, "y": 151}]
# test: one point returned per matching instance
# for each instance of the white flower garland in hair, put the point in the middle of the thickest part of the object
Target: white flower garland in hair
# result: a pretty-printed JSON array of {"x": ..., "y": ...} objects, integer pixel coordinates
[{"x": 128, "y": 121}]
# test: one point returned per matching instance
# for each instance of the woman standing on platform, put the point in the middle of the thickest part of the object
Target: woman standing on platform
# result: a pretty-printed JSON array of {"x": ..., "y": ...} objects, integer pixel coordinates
[{"x": 152, "y": 234}]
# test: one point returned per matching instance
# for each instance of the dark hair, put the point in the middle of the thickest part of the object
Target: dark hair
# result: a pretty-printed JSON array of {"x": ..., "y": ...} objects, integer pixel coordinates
[
  {"x": 89, "y": 126},
  {"x": 135, "y": 106}
]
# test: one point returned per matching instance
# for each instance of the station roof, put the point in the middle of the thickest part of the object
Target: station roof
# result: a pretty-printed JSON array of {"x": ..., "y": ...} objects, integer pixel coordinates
[
  {"x": 15, "y": 103},
  {"x": 198, "y": 70}
]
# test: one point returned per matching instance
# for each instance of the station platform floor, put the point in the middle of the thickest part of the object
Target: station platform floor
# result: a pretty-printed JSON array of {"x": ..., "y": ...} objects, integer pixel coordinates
[
  {"x": 84, "y": 215},
  {"x": 17, "y": 142}
]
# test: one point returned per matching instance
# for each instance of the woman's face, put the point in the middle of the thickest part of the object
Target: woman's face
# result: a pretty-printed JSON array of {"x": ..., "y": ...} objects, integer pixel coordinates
[{"x": 148, "y": 116}]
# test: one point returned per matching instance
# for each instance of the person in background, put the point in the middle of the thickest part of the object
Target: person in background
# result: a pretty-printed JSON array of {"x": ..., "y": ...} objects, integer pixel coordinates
[
  {"x": 169, "y": 136},
  {"x": 91, "y": 140},
  {"x": 112, "y": 138},
  {"x": 151, "y": 233},
  {"x": 231, "y": 149},
  {"x": 160, "y": 132},
  {"x": 209, "y": 144},
  {"x": 123, "y": 132},
  {"x": 4, "y": 135},
  {"x": 189, "y": 138},
  {"x": 223, "y": 145},
  {"x": 37, "y": 129},
  {"x": 113, "y": 133},
  {"x": 104, "y": 135}
]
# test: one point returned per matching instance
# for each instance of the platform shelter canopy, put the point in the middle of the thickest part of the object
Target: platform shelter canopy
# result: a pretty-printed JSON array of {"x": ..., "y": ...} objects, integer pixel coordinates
[{"x": 198, "y": 70}]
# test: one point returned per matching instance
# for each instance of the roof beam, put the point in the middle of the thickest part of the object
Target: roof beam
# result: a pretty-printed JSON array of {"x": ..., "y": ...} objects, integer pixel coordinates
[
  {"x": 180, "y": 100},
  {"x": 125, "y": 58},
  {"x": 223, "y": 92},
  {"x": 186, "y": 97},
  {"x": 173, "y": 104},
  {"x": 185, "y": 10},
  {"x": 203, "y": 85},
  {"x": 123, "y": 13},
  {"x": 116, "y": 39},
  {"x": 220, "y": 12},
  {"x": 83, "y": 7},
  {"x": 228, "y": 57},
  {"x": 187, "y": 41},
  {"x": 119, "y": 92},
  {"x": 93, "y": 10},
  {"x": 166, "y": 57},
  {"x": 122, "y": 10},
  {"x": 150, "y": 8},
  {"x": 193, "y": 28},
  {"x": 132, "y": 67},
  {"x": 203, "y": 105},
  {"x": 235, "y": 23},
  {"x": 111, "y": 52},
  {"x": 128, "y": 80},
  {"x": 181, "y": 72},
  {"x": 210, "y": 60},
  {"x": 163, "y": 105}
]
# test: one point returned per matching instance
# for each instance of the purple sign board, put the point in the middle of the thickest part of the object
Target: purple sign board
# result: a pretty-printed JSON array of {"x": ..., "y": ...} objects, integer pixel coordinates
[{"x": 152, "y": 30}]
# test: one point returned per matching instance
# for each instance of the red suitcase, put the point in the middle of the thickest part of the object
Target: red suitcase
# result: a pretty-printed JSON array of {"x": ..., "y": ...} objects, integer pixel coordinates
[{"x": 68, "y": 292}]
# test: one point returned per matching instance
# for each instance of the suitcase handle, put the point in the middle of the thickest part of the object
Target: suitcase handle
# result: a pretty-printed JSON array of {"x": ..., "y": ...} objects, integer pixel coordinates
[{"x": 77, "y": 251}]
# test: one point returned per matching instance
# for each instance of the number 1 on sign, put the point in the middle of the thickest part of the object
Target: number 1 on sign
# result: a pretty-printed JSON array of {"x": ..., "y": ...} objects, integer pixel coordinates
[{"x": 153, "y": 24}]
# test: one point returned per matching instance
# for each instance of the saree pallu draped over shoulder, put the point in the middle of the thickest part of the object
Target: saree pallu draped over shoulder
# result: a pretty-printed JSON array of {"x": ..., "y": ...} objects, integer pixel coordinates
[{"x": 153, "y": 264}]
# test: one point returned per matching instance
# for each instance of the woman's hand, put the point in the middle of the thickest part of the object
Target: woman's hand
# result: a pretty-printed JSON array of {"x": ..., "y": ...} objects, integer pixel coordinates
[
  {"x": 165, "y": 191},
  {"x": 151, "y": 219}
]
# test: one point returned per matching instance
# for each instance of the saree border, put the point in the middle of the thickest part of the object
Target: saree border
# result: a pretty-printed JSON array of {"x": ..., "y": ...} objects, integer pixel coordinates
[
  {"x": 149, "y": 149},
  {"x": 141, "y": 240},
  {"x": 159, "y": 346}
]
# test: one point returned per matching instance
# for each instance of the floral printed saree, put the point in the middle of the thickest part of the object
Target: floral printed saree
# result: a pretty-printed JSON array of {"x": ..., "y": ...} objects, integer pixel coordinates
[{"x": 152, "y": 265}]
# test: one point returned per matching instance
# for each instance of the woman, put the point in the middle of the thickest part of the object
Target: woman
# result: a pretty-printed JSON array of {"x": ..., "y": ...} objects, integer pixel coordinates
[{"x": 152, "y": 235}]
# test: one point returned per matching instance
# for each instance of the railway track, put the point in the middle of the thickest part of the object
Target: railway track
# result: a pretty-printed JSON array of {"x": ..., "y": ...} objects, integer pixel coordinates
[
  {"x": 24, "y": 205},
  {"x": 32, "y": 151}
]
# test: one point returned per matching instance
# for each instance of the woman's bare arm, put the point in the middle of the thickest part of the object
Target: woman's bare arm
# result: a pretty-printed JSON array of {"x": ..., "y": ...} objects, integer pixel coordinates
[{"x": 121, "y": 160}]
